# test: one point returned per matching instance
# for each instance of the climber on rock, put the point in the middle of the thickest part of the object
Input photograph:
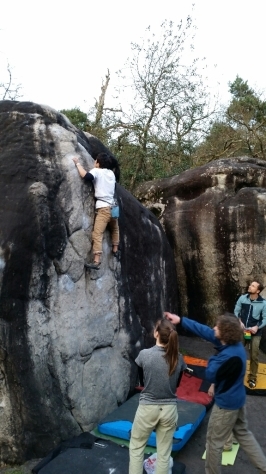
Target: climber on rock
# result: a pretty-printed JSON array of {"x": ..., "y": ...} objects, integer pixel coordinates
[{"x": 104, "y": 182}]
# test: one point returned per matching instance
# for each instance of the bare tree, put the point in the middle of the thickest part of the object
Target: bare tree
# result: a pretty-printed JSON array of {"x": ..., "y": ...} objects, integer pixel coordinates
[
  {"x": 97, "y": 113},
  {"x": 8, "y": 89},
  {"x": 168, "y": 111},
  {"x": 162, "y": 109},
  {"x": 99, "y": 104}
]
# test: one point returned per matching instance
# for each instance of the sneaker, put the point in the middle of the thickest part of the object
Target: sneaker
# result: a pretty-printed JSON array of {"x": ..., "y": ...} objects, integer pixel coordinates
[
  {"x": 116, "y": 254},
  {"x": 93, "y": 266},
  {"x": 252, "y": 384},
  {"x": 227, "y": 448}
]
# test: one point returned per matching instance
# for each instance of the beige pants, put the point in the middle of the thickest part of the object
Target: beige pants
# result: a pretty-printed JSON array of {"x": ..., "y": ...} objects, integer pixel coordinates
[
  {"x": 229, "y": 443},
  {"x": 254, "y": 357},
  {"x": 102, "y": 219},
  {"x": 220, "y": 425},
  {"x": 147, "y": 418}
]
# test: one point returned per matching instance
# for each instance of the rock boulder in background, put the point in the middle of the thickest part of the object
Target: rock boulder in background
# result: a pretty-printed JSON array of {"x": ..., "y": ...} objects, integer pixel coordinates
[{"x": 215, "y": 219}]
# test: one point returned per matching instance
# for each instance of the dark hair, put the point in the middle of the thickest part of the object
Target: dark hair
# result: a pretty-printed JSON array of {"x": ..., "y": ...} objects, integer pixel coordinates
[
  {"x": 115, "y": 167},
  {"x": 260, "y": 285},
  {"x": 169, "y": 338},
  {"x": 229, "y": 328},
  {"x": 104, "y": 160}
]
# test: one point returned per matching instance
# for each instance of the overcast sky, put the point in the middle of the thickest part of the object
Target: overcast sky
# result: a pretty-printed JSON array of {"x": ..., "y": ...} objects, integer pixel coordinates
[{"x": 60, "y": 51}]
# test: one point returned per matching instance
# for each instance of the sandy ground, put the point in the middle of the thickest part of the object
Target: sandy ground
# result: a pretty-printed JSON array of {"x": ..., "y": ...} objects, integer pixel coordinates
[{"x": 192, "y": 453}]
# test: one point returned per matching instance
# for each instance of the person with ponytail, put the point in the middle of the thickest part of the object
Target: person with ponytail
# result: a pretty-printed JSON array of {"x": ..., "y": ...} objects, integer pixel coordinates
[{"x": 162, "y": 366}]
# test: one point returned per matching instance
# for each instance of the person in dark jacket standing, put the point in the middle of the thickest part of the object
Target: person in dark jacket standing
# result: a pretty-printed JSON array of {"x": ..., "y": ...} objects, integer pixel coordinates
[
  {"x": 251, "y": 310},
  {"x": 226, "y": 370}
]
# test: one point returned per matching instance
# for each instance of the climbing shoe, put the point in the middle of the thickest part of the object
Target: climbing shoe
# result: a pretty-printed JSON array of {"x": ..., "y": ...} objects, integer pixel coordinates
[{"x": 228, "y": 448}]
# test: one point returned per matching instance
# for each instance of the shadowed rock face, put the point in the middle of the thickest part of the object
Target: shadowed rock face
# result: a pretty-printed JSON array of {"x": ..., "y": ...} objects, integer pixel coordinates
[
  {"x": 68, "y": 337},
  {"x": 215, "y": 219}
]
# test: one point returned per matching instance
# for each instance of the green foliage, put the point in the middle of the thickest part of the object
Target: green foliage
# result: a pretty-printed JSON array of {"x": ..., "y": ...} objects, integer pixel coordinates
[
  {"x": 240, "y": 89},
  {"x": 86, "y": 123},
  {"x": 241, "y": 129},
  {"x": 160, "y": 161},
  {"x": 78, "y": 118},
  {"x": 246, "y": 108},
  {"x": 99, "y": 131}
]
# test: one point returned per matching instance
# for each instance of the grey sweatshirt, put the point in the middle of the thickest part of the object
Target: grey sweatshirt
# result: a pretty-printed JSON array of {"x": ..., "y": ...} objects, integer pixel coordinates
[{"x": 159, "y": 388}]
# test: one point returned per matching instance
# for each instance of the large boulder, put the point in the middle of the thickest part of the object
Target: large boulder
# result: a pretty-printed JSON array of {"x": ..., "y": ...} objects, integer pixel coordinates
[
  {"x": 68, "y": 336},
  {"x": 215, "y": 219}
]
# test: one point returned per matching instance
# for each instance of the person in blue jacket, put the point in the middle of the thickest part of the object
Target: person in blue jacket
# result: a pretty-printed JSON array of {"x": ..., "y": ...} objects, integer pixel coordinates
[
  {"x": 226, "y": 370},
  {"x": 251, "y": 310}
]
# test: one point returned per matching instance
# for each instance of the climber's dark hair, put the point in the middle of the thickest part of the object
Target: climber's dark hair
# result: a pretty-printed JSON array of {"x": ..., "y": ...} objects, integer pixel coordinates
[{"x": 104, "y": 160}]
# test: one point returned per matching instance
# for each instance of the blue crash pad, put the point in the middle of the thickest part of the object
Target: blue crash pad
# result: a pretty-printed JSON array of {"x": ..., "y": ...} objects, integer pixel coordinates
[{"x": 119, "y": 422}]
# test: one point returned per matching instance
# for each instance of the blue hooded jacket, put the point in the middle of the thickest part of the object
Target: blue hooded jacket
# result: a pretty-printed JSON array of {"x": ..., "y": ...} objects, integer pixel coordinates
[
  {"x": 251, "y": 312},
  {"x": 226, "y": 369}
]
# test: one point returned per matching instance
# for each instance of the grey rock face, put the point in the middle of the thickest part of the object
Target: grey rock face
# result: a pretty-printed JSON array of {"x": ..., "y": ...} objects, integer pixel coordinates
[
  {"x": 68, "y": 337},
  {"x": 215, "y": 219}
]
